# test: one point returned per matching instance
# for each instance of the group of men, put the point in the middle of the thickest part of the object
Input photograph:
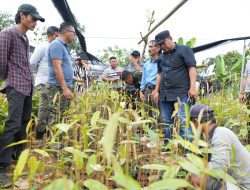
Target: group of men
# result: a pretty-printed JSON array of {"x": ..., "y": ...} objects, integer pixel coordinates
[{"x": 167, "y": 78}]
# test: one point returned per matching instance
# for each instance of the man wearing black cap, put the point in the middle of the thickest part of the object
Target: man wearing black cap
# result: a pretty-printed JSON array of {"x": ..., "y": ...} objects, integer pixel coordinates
[
  {"x": 175, "y": 80},
  {"x": 228, "y": 154},
  {"x": 39, "y": 64},
  {"x": 135, "y": 62},
  {"x": 15, "y": 70}
]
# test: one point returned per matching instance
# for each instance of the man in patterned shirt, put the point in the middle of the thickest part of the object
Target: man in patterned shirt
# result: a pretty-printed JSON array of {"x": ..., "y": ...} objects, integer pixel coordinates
[{"x": 15, "y": 70}]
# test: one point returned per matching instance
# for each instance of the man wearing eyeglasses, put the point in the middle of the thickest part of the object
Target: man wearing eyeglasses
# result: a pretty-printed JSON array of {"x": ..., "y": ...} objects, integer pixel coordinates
[
  {"x": 60, "y": 72},
  {"x": 15, "y": 71},
  {"x": 149, "y": 77},
  {"x": 175, "y": 80}
]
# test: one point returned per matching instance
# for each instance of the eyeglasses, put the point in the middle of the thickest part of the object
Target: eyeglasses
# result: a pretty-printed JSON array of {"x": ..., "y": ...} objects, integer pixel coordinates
[{"x": 71, "y": 31}]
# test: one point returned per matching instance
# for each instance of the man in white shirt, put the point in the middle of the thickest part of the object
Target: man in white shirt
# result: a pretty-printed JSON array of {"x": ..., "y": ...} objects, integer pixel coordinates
[{"x": 39, "y": 64}]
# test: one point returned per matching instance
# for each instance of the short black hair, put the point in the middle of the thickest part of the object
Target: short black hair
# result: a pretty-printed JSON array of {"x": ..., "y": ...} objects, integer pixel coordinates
[
  {"x": 64, "y": 26},
  {"x": 18, "y": 17},
  {"x": 112, "y": 57},
  {"x": 125, "y": 75},
  {"x": 51, "y": 30}
]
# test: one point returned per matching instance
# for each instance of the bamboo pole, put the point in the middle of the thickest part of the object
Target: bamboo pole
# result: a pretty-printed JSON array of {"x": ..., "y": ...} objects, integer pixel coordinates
[{"x": 164, "y": 19}]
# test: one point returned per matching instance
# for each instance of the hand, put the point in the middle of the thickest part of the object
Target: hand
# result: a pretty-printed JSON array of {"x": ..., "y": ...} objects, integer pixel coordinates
[
  {"x": 114, "y": 80},
  {"x": 155, "y": 96},
  {"x": 192, "y": 93},
  {"x": 241, "y": 97},
  {"x": 67, "y": 93},
  {"x": 142, "y": 97},
  {"x": 195, "y": 180}
]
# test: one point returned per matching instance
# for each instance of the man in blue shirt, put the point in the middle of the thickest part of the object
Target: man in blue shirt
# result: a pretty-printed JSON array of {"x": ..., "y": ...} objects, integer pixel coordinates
[
  {"x": 60, "y": 72},
  {"x": 39, "y": 65},
  {"x": 176, "y": 79},
  {"x": 149, "y": 73}
]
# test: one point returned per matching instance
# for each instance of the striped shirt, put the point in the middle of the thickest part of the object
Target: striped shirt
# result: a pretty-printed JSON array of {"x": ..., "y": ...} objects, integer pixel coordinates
[{"x": 15, "y": 68}]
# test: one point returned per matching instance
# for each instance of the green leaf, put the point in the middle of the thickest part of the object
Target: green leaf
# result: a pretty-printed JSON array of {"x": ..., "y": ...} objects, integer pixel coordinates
[
  {"x": 180, "y": 41},
  {"x": 188, "y": 166},
  {"x": 124, "y": 180},
  {"x": 127, "y": 182},
  {"x": 92, "y": 184},
  {"x": 61, "y": 184},
  {"x": 236, "y": 66},
  {"x": 91, "y": 161},
  {"x": 17, "y": 143},
  {"x": 188, "y": 145},
  {"x": 220, "y": 174},
  {"x": 169, "y": 184},
  {"x": 109, "y": 135},
  {"x": 196, "y": 160},
  {"x": 139, "y": 122},
  {"x": 95, "y": 118},
  {"x": 63, "y": 127},
  {"x": 33, "y": 164},
  {"x": 124, "y": 120},
  {"x": 155, "y": 167},
  {"x": 172, "y": 172},
  {"x": 191, "y": 42},
  {"x": 41, "y": 152},
  {"x": 73, "y": 150},
  {"x": 77, "y": 157},
  {"x": 20, "y": 164}
]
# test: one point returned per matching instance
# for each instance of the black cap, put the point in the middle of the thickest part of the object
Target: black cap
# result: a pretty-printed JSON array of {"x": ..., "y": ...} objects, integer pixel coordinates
[
  {"x": 83, "y": 57},
  {"x": 135, "y": 53},
  {"x": 160, "y": 37},
  {"x": 52, "y": 30},
  {"x": 196, "y": 109},
  {"x": 30, "y": 9}
]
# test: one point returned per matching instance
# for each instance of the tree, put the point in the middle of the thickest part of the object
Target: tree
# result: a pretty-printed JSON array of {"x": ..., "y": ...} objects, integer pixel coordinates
[
  {"x": 6, "y": 20},
  {"x": 122, "y": 55}
]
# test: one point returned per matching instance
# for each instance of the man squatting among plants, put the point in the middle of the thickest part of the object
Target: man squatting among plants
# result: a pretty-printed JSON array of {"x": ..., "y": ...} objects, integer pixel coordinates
[
  {"x": 228, "y": 154},
  {"x": 16, "y": 72}
]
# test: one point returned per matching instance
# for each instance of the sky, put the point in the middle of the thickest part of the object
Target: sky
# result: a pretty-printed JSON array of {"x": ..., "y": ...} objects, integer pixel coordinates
[{"x": 113, "y": 22}]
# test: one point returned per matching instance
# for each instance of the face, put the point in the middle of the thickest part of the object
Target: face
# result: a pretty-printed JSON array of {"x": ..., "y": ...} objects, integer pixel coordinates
[
  {"x": 28, "y": 21},
  {"x": 70, "y": 34},
  {"x": 54, "y": 36},
  {"x": 167, "y": 45},
  {"x": 113, "y": 62},
  {"x": 129, "y": 79},
  {"x": 84, "y": 62},
  {"x": 134, "y": 60},
  {"x": 153, "y": 49}
]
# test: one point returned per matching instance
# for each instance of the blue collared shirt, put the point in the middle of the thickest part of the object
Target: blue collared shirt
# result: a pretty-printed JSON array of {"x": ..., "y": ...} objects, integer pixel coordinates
[
  {"x": 149, "y": 74},
  {"x": 59, "y": 50}
]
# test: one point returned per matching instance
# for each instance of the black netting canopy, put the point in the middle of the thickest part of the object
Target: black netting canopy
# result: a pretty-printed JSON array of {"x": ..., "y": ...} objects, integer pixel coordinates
[{"x": 65, "y": 12}]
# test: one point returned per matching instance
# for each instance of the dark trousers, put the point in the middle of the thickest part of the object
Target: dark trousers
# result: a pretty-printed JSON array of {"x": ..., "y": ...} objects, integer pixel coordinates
[
  {"x": 150, "y": 102},
  {"x": 19, "y": 112}
]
